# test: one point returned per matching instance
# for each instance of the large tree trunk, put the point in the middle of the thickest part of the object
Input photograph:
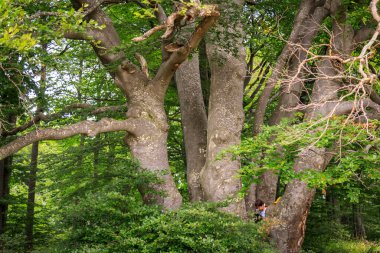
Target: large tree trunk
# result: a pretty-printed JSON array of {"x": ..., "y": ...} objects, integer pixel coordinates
[
  {"x": 291, "y": 88},
  {"x": 292, "y": 211},
  {"x": 147, "y": 137},
  {"x": 149, "y": 143},
  {"x": 29, "y": 224},
  {"x": 219, "y": 177},
  {"x": 194, "y": 122}
]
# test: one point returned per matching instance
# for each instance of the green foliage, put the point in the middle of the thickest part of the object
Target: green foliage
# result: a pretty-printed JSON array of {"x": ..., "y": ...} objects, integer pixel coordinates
[
  {"x": 276, "y": 148},
  {"x": 199, "y": 228},
  {"x": 351, "y": 247}
]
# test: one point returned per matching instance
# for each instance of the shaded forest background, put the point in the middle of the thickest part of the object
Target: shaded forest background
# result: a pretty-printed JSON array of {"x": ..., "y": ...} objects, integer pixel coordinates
[{"x": 153, "y": 126}]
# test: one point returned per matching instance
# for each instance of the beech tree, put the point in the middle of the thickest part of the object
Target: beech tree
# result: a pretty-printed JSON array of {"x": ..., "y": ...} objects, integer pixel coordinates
[{"x": 146, "y": 124}]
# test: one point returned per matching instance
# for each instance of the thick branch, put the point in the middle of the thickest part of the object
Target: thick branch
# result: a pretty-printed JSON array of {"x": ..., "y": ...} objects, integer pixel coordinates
[
  {"x": 374, "y": 10},
  {"x": 306, "y": 8},
  {"x": 46, "y": 118},
  {"x": 143, "y": 64},
  {"x": 347, "y": 107},
  {"x": 90, "y": 128},
  {"x": 149, "y": 33},
  {"x": 167, "y": 68}
]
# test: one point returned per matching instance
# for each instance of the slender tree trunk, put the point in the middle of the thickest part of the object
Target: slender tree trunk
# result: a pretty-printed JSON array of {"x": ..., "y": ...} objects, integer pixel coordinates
[
  {"x": 5, "y": 172},
  {"x": 225, "y": 120},
  {"x": 194, "y": 122},
  {"x": 29, "y": 225},
  {"x": 358, "y": 224}
]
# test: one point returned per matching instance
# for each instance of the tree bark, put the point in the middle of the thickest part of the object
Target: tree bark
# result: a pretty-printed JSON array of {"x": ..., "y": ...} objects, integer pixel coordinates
[
  {"x": 225, "y": 120},
  {"x": 29, "y": 220},
  {"x": 358, "y": 224},
  {"x": 291, "y": 212},
  {"x": 5, "y": 172},
  {"x": 291, "y": 88},
  {"x": 194, "y": 122},
  {"x": 146, "y": 96}
]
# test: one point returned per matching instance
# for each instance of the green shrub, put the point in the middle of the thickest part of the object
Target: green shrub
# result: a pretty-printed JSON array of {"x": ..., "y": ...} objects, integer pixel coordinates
[
  {"x": 352, "y": 247},
  {"x": 198, "y": 228},
  {"x": 201, "y": 228}
]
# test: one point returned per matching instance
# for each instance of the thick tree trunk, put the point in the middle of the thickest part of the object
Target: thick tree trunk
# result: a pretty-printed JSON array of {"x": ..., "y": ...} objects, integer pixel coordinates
[
  {"x": 292, "y": 211},
  {"x": 289, "y": 215},
  {"x": 291, "y": 88},
  {"x": 219, "y": 177},
  {"x": 194, "y": 122},
  {"x": 147, "y": 138},
  {"x": 29, "y": 224},
  {"x": 148, "y": 144}
]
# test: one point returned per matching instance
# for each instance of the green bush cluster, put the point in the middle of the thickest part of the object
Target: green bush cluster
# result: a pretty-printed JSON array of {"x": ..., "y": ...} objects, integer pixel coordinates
[
  {"x": 114, "y": 223},
  {"x": 351, "y": 247}
]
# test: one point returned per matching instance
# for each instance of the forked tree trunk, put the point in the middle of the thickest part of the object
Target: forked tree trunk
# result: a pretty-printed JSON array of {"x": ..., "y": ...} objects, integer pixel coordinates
[
  {"x": 194, "y": 123},
  {"x": 148, "y": 143},
  {"x": 147, "y": 123},
  {"x": 219, "y": 177},
  {"x": 291, "y": 89},
  {"x": 291, "y": 212}
]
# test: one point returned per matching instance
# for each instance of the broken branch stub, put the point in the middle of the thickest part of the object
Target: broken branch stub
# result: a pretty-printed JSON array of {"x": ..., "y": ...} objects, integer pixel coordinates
[{"x": 185, "y": 12}]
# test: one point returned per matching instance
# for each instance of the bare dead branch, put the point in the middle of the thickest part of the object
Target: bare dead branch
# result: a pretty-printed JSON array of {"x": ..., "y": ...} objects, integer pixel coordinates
[{"x": 184, "y": 13}]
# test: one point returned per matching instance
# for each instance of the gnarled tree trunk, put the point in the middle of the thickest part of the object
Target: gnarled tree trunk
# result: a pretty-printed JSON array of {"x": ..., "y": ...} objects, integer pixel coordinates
[
  {"x": 292, "y": 84},
  {"x": 291, "y": 212}
]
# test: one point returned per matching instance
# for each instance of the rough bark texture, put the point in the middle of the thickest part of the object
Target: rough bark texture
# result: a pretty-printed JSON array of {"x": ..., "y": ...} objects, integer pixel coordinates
[
  {"x": 194, "y": 123},
  {"x": 29, "y": 222},
  {"x": 289, "y": 215},
  {"x": 225, "y": 121}
]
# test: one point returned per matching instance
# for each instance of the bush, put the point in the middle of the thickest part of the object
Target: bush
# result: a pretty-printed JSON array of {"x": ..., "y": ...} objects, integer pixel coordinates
[
  {"x": 352, "y": 247},
  {"x": 200, "y": 228}
]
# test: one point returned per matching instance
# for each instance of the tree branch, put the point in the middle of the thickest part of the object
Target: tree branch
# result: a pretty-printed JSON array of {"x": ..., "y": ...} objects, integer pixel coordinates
[
  {"x": 374, "y": 10},
  {"x": 143, "y": 64},
  {"x": 89, "y": 128},
  {"x": 347, "y": 107},
  {"x": 210, "y": 14},
  {"x": 307, "y": 11},
  {"x": 46, "y": 118}
]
